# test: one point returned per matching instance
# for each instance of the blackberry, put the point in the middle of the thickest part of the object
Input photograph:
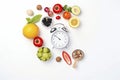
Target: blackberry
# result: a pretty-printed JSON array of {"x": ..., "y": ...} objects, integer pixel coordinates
[{"x": 47, "y": 21}]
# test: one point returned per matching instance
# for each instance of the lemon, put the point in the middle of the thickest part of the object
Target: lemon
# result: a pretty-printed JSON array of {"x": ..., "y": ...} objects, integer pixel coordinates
[
  {"x": 31, "y": 30},
  {"x": 74, "y": 22}
]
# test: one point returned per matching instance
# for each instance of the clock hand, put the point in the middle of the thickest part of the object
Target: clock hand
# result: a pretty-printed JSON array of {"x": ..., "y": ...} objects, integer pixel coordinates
[{"x": 57, "y": 37}]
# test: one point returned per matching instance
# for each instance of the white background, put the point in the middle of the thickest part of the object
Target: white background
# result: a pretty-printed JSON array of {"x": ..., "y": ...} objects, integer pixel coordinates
[{"x": 98, "y": 36}]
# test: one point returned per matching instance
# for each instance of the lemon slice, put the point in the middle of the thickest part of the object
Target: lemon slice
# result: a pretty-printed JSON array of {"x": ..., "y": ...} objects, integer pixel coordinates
[
  {"x": 74, "y": 22},
  {"x": 75, "y": 10}
]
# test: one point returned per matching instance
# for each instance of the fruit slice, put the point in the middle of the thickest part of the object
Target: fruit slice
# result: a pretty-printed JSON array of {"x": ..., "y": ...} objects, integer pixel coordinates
[
  {"x": 75, "y": 10},
  {"x": 66, "y": 57},
  {"x": 74, "y": 22}
]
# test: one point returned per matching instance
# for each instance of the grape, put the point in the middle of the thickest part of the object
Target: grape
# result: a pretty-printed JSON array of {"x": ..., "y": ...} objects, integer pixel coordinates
[
  {"x": 46, "y": 9},
  {"x": 50, "y": 13},
  {"x": 40, "y": 49},
  {"x": 42, "y": 58},
  {"x": 44, "y": 54},
  {"x": 46, "y": 50},
  {"x": 39, "y": 54}
]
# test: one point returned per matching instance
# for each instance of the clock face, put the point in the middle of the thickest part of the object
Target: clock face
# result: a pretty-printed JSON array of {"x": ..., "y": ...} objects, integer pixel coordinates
[{"x": 60, "y": 39}]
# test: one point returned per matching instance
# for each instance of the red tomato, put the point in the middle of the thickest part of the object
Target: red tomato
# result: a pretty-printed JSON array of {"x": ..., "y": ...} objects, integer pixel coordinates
[
  {"x": 67, "y": 58},
  {"x": 66, "y": 15},
  {"x": 38, "y": 41},
  {"x": 57, "y": 8}
]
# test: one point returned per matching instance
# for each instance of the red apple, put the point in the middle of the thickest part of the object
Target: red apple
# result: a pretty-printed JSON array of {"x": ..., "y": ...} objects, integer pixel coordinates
[
  {"x": 38, "y": 41},
  {"x": 57, "y": 8}
]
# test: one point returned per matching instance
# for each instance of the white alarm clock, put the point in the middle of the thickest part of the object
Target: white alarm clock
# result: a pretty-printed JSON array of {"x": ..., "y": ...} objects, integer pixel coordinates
[{"x": 60, "y": 37}]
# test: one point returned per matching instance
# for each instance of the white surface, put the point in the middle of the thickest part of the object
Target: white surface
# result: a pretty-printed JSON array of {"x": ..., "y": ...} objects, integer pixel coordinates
[{"x": 98, "y": 36}]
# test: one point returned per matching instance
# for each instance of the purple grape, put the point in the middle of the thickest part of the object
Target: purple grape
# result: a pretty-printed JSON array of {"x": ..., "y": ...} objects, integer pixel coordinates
[
  {"x": 50, "y": 13},
  {"x": 46, "y": 9}
]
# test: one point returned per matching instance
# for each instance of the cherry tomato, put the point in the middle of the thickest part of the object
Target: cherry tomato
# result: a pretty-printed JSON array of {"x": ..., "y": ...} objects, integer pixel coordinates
[
  {"x": 57, "y": 8},
  {"x": 58, "y": 17},
  {"x": 66, "y": 15},
  {"x": 38, "y": 41}
]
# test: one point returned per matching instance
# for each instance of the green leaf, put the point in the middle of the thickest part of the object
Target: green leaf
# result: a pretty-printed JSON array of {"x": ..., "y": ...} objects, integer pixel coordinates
[
  {"x": 36, "y": 18},
  {"x": 69, "y": 9},
  {"x": 65, "y": 7},
  {"x": 28, "y": 19}
]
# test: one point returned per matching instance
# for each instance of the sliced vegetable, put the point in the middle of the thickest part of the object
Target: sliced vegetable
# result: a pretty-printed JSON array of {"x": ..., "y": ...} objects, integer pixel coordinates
[{"x": 66, "y": 57}]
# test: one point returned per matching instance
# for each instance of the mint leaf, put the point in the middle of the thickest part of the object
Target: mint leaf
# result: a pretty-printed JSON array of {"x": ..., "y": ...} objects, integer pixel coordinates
[
  {"x": 36, "y": 18},
  {"x": 28, "y": 19}
]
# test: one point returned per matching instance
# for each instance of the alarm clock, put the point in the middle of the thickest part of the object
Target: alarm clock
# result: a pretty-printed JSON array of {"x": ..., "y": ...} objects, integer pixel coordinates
[{"x": 60, "y": 38}]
